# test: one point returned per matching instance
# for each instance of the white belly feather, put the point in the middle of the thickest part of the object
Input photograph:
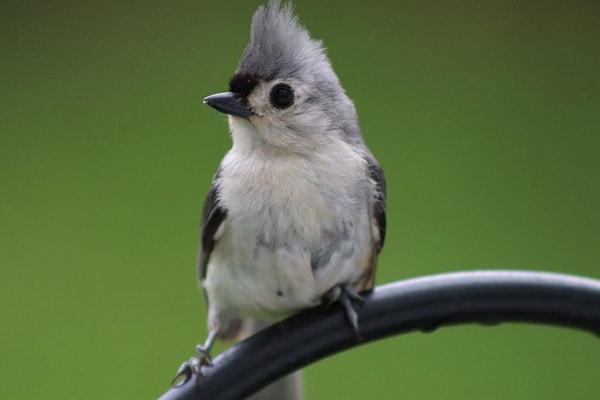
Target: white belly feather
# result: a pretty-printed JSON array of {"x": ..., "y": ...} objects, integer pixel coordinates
[{"x": 279, "y": 212}]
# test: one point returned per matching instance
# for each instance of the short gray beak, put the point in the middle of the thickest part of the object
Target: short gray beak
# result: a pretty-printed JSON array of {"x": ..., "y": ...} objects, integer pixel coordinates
[{"x": 229, "y": 103}]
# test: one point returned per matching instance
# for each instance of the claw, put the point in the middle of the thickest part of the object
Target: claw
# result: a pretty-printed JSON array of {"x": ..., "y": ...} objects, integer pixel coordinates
[
  {"x": 350, "y": 300},
  {"x": 185, "y": 372},
  {"x": 195, "y": 364},
  {"x": 347, "y": 295}
]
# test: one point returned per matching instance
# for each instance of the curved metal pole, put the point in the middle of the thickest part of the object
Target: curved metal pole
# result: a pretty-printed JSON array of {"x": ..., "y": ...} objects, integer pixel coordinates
[{"x": 425, "y": 304}]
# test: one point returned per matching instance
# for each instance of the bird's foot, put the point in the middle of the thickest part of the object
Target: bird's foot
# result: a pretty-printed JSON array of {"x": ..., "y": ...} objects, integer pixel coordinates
[
  {"x": 193, "y": 366},
  {"x": 351, "y": 301},
  {"x": 186, "y": 371}
]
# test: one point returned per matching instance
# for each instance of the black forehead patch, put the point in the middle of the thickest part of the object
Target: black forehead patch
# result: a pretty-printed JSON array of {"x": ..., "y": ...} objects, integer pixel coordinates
[{"x": 242, "y": 83}]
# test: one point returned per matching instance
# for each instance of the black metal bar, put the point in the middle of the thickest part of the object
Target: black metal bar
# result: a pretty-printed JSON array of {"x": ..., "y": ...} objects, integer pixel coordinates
[{"x": 486, "y": 297}]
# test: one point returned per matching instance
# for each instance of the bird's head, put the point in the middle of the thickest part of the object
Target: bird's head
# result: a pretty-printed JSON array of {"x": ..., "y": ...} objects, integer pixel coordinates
[{"x": 284, "y": 92}]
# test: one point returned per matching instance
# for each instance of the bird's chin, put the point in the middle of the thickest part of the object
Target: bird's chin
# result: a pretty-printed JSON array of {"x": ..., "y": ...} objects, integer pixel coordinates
[
  {"x": 238, "y": 121},
  {"x": 243, "y": 125},
  {"x": 251, "y": 120}
]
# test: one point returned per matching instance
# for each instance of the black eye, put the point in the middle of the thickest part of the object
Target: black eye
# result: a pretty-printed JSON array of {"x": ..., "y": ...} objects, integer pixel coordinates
[{"x": 282, "y": 95}]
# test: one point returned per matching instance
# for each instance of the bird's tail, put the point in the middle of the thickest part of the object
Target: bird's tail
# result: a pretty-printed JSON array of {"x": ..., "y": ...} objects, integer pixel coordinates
[{"x": 289, "y": 387}]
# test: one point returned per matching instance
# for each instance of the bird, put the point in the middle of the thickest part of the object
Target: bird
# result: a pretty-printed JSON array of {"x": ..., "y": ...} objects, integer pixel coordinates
[{"x": 295, "y": 216}]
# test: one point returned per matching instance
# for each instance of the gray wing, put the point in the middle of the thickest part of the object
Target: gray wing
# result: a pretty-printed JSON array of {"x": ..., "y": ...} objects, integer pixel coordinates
[
  {"x": 213, "y": 215},
  {"x": 379, "y": 212}
]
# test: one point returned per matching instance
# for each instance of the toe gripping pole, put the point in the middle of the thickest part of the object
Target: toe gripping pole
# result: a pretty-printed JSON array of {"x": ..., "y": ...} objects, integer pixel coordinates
[{"x": 420, "y": 304}]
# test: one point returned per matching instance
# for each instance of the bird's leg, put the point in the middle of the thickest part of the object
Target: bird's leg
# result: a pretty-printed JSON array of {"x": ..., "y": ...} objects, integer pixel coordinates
[
  {"x": 204, "y": 350},
  {"x": 351, "y": 301},
  {"x": 193, "y": 366}
]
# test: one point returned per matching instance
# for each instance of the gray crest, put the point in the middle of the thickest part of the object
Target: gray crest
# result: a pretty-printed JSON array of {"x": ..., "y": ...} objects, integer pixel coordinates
[{"x": 280, "y": 47}]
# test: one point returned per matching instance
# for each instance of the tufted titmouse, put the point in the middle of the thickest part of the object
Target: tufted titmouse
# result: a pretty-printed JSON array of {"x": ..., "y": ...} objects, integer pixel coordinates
[{"x": 296, "y": 213}]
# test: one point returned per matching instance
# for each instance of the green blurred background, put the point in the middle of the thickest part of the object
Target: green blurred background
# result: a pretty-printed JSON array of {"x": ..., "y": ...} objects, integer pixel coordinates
[{"x": 485, "y": 116}]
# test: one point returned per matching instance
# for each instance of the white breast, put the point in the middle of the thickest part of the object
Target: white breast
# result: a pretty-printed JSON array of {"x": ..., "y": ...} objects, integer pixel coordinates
[{"x": 280, "y": 209}]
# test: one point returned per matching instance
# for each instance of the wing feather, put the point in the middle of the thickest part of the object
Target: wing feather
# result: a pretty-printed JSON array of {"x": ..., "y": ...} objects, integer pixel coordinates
[
  {"x": 213, "y": 216},
  {"x": 379, "y": 210}
]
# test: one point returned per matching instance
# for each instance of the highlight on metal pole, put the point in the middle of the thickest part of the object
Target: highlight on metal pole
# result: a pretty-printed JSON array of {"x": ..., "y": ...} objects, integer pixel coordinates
[{"x": 420, "y": 304}]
